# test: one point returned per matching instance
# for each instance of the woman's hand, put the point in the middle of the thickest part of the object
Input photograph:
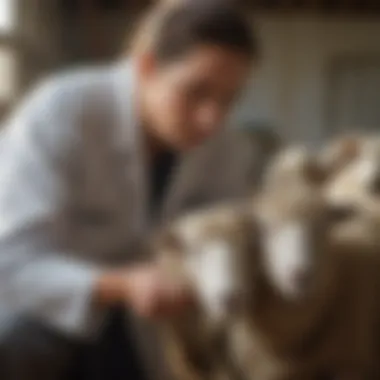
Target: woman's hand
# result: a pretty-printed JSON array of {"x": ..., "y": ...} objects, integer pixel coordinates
[{"x": 145, "y": 289}]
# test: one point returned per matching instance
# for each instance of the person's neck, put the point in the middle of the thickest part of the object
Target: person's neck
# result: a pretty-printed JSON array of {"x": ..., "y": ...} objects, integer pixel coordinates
[
  {"x": 154, "y": 145},
  {"x": 155, "y": 148}
]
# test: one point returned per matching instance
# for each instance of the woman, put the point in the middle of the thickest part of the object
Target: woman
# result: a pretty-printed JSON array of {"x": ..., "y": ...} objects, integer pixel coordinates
[{"x": 84, "y": 165}]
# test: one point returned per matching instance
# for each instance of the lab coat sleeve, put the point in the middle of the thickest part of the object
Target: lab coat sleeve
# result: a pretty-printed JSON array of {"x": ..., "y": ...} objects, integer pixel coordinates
[{"x": 37, "y": 277}]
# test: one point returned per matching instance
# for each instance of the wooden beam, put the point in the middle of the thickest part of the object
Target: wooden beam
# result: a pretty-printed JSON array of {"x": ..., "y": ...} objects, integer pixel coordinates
[
  {"x": 327, "y": 5},
  {"x": 342, "y": 6}
]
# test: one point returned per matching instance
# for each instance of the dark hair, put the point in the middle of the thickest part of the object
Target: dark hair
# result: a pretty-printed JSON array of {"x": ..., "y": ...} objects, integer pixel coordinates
[{"x": 186, "y": 24}]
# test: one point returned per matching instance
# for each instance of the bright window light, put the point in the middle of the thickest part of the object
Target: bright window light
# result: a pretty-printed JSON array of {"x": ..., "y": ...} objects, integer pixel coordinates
[{"x": 6, "y": 15}]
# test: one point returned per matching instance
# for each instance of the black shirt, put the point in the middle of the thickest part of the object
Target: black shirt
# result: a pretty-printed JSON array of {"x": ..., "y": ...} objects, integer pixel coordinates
[{"x": 160, "y": 174}]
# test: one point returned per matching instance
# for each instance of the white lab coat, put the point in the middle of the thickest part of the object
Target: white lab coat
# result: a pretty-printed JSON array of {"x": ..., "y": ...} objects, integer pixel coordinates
[{"x": 72, "y": 196}]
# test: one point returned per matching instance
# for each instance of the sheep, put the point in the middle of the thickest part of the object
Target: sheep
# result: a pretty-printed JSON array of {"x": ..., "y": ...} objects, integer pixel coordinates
[
  {"x": 211, "y": 251},
  {"x": 279, "y": 293},
  {"x": 355, "y": 186},
  {"x": 355, "y": 162},
  {"x": 347, "y": 173},
  {"x": 314, "y": 309}
]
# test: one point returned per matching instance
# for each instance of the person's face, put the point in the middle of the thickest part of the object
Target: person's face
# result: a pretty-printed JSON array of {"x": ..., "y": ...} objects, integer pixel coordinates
[{"x": 186, "y": 101}]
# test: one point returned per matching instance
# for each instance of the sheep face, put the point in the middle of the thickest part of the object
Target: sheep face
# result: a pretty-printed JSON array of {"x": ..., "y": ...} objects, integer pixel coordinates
[
  {"x": 294, "y": 239},
  {"x": 214, "y": 254}
]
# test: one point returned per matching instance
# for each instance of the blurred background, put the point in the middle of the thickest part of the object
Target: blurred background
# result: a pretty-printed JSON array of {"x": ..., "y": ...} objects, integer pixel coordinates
[{"x": 319, "y": 74}]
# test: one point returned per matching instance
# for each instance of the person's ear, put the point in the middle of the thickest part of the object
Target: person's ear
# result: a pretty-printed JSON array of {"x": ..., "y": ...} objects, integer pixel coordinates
[{"x": 146, "y": 64}]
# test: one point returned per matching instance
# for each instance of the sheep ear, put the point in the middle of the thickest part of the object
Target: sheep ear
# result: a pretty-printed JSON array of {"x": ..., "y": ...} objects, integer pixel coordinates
[{"x": 342, "y": 152}]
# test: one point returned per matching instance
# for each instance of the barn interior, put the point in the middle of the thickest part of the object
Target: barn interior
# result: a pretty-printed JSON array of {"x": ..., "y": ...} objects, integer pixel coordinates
[{"x": 320, "y": 69}]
